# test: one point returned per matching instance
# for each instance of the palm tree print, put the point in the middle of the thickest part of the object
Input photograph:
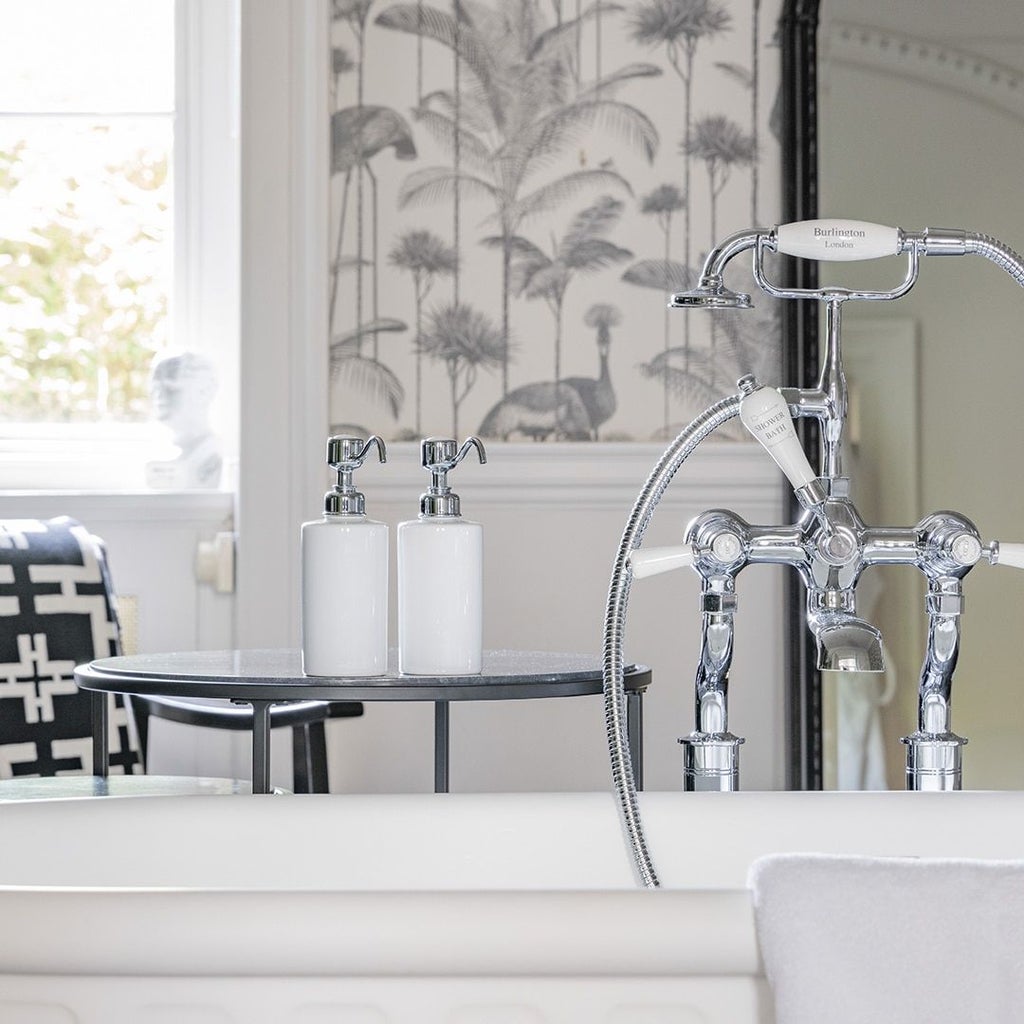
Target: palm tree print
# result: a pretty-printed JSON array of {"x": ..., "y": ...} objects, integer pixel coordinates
[
  {"x": 673, "y": 366},
  {"x": 358, "y": 134},
  {"x": 341, "y": 64},
  {"x": 426, "y": 257},
  {"x": 526, "y": 127},
  {"x": 679, "y": 26},
  {"x": 464, "y": 340},
  {"x": 354, "y": 14},
  {"x": 721, "y": 144},
  {"x": 518, "y": 117},
  {"x": 582, "y": 250},
  {"x": 365, "y": 375},
  {"x": 663, "y": 203}
]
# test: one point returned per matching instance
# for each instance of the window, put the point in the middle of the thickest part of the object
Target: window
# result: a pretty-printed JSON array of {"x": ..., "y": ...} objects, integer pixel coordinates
[{"x": 118, "y": 240}]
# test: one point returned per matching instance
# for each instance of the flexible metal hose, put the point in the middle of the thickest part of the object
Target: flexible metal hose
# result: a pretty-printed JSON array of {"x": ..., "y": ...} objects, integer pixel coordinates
[
  {"x": 615, "y": 618},
  {"x": 999, "y": 253}
]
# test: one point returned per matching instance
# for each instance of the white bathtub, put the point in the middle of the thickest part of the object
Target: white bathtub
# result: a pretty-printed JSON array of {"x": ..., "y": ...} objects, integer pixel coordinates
[{"x": 433, "y": 909}]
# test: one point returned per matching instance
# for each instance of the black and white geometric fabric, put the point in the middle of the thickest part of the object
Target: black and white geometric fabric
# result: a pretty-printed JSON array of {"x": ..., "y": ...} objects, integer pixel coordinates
[{"x": 56, "y": 612}]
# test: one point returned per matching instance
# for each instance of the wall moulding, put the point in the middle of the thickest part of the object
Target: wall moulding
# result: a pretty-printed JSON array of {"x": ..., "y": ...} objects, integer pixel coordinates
[
  {"x": 930, "y": 62},
  {"x": 589, "y": 476}
]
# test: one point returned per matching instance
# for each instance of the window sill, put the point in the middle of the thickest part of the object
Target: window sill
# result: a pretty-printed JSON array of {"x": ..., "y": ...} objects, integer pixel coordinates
[
  {"x": 96, "y": 509},
  {"x": 84, "y": 458}
]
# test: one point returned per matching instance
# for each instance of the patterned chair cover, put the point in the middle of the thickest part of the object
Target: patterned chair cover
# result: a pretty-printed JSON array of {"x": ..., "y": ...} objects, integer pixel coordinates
[{"x": 56, "y": 612}]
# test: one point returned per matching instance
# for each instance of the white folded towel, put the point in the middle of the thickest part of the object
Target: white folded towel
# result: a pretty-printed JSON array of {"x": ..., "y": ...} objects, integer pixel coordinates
[{"x": 872, "y": 940}]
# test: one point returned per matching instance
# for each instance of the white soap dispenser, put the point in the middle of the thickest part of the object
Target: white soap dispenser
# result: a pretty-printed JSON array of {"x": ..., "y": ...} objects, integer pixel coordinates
[
  {"x": 440, "y": 574},
  {"x": 345, "y": 575}
]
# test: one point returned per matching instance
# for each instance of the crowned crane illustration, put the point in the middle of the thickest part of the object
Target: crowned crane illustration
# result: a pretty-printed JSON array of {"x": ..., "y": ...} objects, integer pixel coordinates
[
  {"x": 597, "y": 393},
  {"x": 539, "y": 411},
  {"x": 582, "y": 249}
]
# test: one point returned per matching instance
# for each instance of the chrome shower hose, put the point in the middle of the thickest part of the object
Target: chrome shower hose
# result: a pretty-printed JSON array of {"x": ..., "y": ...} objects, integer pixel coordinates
[
  {"x": 999, "y": 253},
  {"x": 615, "y": 618}
]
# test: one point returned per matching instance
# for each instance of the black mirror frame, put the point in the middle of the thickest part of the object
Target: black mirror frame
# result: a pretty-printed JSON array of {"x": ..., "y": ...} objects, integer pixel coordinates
[{"x": 798, "y": 30}]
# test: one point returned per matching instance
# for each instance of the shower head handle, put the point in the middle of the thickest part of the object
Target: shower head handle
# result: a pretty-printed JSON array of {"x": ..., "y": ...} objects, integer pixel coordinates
[
  {"x": 795, "y": 242},
  {"x": 837, "y": 240}
]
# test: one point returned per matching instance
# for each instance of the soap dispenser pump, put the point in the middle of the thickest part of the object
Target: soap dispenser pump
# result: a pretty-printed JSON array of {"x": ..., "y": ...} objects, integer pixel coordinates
[
  {"x": 440, "y": 574},
  {"x": 345, "y": 574}
]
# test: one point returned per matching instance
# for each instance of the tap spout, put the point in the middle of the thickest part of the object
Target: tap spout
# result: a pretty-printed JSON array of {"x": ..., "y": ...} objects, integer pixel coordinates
[{"x": 847, "y": 644}]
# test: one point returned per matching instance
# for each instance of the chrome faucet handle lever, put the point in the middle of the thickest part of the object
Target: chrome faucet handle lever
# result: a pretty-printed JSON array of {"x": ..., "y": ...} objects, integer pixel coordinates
[
  {"x": 653, "y": 561},
  {"x": 1005, "y": 553}
]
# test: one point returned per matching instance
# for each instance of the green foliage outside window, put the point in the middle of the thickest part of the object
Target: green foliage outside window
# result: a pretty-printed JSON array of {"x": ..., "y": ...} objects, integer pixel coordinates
[{"x": 85, "y": 266}]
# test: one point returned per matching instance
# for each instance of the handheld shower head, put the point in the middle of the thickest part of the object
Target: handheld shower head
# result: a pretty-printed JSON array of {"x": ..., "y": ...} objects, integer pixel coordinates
[
  {"x": 710, "y": 295},
  {"x": 711, "y": 292}
]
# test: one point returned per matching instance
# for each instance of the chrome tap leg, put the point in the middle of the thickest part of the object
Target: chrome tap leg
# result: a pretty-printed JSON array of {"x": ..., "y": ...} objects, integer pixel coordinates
[
  {"x": 934, "y": 752},
  {"x": 711, "y": 752}
]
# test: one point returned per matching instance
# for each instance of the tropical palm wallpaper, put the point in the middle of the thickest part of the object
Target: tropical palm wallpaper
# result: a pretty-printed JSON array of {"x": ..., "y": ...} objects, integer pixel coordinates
[{"x": 516, "y": 188}]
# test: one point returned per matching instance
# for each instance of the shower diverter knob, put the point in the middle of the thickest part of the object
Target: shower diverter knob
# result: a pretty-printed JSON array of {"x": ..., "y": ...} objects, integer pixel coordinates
[
  {"x": 765, "y": 413},
  {"x": 652, "y": 561}
]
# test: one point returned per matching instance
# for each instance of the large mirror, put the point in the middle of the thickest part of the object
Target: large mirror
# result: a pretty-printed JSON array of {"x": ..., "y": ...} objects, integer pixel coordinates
[{"x": 919, "y": 110}]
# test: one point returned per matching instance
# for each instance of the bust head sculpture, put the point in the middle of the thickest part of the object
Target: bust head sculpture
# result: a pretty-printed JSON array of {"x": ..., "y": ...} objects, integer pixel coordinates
[{"x": 182, "y": 386}]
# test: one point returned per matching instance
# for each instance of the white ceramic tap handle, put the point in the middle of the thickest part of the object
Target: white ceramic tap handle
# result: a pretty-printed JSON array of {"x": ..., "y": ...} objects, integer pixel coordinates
[
  {"x": 837, "y": 240},
  {"x": 765, "y": 414},
  {"x": 1011, "y": 555},
  {"x": 651, "y": 561}
]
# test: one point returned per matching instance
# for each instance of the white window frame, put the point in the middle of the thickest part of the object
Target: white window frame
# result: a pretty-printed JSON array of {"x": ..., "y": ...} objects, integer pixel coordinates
[
  {"x": 284, "y": 352},
  {"x": 205, "y": 310}
]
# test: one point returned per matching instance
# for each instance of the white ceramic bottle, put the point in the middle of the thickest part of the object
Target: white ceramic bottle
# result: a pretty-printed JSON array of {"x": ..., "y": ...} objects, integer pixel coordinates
[
  {"x": 440, "y": 574},
  {"x": 345, "y": 575}
]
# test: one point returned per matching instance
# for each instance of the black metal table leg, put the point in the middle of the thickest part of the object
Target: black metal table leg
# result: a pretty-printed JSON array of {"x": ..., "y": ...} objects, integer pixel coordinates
[
  {"x": 100, "y": 735},
  {"x": 635, "y": 733},
  {"x": 441, "y": 721},
  {"x": 261, "y": 746}
]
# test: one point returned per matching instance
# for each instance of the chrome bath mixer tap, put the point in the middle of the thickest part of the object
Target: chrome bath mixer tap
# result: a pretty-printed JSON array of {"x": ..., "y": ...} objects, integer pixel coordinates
[{"x": 829, "y": 545}]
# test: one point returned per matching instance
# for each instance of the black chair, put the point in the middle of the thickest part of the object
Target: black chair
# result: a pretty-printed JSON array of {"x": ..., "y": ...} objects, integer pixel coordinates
[
  {"x": 58, "y": 610},
  {"x": 306, "y": 719}
]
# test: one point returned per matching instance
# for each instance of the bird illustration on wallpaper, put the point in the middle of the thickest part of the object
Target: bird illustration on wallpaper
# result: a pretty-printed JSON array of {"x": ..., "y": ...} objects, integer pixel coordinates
[
  {"x": 537, "y": 275},
  {"x": 507, "y": 166},
  {"x": 575, "y": 409}
]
